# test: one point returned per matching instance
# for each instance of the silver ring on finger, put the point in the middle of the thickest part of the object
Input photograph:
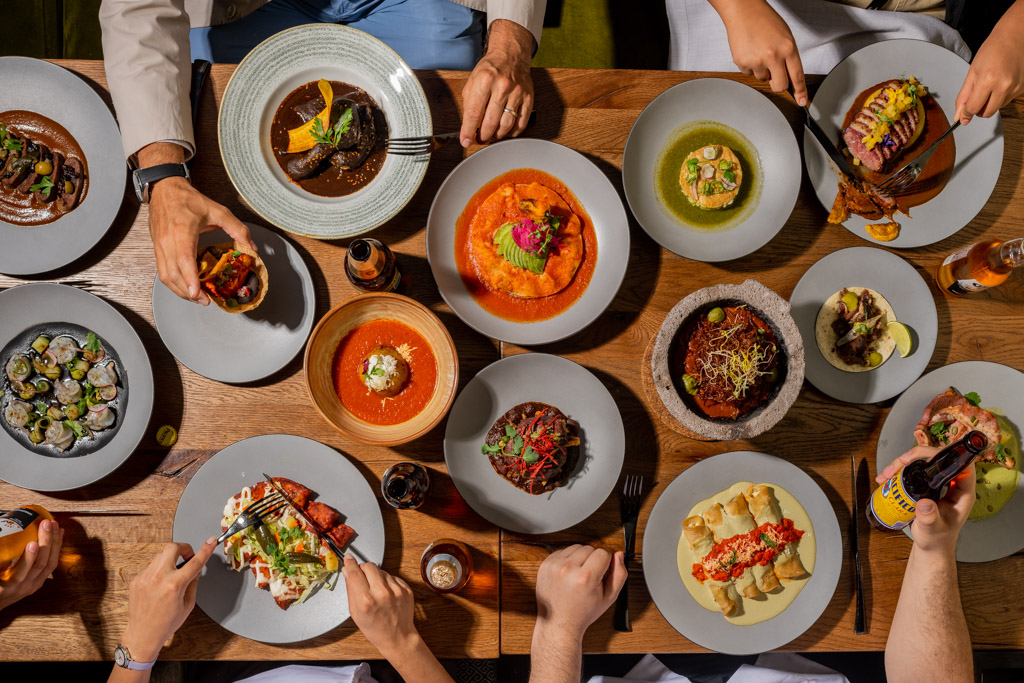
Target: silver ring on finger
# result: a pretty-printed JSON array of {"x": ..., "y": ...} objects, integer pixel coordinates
[{"x": 512, "y": 112}]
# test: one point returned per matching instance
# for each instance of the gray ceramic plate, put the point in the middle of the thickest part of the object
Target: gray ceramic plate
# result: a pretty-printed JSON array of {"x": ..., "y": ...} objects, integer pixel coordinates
[
  {"x": 231, "y": 598},
  {"x": 60, "y": 95},
  {"x": 1001, "y": 388},
  {"x": 902, "y": 287},
  {"x": 979, "y": 146},
  {"x": 548, "y": 379},
  {"x": 242, "y": 347},
  {"x": 266, "y": 76},
  {"x": 752, "y": 115},
  {"x": 29, "y": 305},
  {"x": 709, "y": 629},
  {"x": 594, "y": 191}
]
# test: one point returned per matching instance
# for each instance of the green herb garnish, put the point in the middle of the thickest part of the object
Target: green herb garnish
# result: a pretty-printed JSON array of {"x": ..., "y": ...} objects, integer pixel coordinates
[
  {"x": 45, "y": 186},
  {"x": 769, "y": 542},
  {"x": 92, "y": 343},
  {"x": 41, "y": 407},
  {"x": 973, "y": 398},
  {"x": 1001, "y": 452},
  {"x": 332, "y": 136},
  {"x": 530, "y": 456},
  {"x": 76, "y": 427},
  {"x": 938, "y": 428}
]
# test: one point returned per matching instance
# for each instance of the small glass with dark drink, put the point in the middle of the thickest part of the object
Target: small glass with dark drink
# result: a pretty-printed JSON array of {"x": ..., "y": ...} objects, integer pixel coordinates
[{"x": 405, "y": 485}]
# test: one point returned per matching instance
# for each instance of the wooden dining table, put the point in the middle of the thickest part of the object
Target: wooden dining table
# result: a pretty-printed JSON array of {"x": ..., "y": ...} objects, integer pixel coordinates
[{"x": 116, "y": 525}]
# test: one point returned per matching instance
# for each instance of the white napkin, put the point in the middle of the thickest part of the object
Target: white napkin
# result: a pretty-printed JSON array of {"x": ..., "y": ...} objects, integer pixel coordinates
[
  {"x": 771, "y": 667},
  {"x": 825, "y": 32},
  {"x": 314, "y": 674}
]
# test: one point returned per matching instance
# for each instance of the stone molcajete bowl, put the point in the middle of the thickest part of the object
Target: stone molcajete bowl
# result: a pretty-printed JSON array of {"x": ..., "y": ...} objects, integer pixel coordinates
[{"x": 771, "y": 308}]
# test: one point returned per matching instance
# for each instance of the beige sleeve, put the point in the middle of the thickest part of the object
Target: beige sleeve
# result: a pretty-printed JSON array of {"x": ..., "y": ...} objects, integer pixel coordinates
[
  {"x": 148, "y": 64},
  {"x": 526, "y": 13}
]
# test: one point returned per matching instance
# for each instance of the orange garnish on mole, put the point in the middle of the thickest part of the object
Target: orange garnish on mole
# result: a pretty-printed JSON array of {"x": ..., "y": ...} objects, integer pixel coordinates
[{"x": 301, "y": 139}]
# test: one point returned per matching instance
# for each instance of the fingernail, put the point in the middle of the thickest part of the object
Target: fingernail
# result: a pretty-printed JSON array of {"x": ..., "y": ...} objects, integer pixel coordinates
[
  {"x": 32, "y": 547},
  {"x": 193, "y": 292},
  {"x": 466, "y": 142},
  {"x": 926, "y": 506},
  {"x": 212, "y": 540}
]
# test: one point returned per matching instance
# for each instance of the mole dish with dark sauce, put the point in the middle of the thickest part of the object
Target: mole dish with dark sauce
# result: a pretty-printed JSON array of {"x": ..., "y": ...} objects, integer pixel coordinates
[{"x": 330, "y": 151}]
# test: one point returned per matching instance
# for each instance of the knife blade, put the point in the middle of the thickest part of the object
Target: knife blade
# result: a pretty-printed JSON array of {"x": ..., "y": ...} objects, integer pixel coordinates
[
  {"x": 853, "y": 334},
  {"x": 860, "y": 473},
  {"x": 830, "y": 148},
  {"x": 316, "y": 529}
]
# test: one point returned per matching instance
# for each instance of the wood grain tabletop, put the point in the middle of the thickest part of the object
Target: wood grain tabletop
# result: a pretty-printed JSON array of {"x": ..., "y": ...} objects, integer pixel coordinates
[{"x": 81, "y": 612}]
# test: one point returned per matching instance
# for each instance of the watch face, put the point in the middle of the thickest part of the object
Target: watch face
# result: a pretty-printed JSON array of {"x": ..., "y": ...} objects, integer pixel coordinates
[
  {"x": 119, "y": 657},
  {"x": 138, "y": 186}
]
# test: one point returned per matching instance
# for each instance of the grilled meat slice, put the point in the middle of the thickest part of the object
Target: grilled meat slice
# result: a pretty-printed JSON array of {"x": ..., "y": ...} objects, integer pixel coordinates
[
  {"x": 958, "y": 417},
  {"x": 864, "y": 123}
]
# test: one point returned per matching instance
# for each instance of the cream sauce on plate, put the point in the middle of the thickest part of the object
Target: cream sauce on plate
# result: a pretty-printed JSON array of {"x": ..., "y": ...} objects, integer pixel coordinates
[{"x": 768, "y": 605}]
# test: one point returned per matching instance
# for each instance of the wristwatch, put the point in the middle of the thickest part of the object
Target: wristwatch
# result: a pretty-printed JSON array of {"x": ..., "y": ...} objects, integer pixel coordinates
[
  {"x": 123, "y": 658},
  {"x": 145, "y": 178}
]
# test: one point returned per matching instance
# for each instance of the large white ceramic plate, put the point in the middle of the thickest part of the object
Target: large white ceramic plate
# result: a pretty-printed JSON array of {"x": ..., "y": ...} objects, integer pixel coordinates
[
  {"x": 266, "y": 76},
  {"x": 547, "y": 379},
  {"x": 594, "y": 191},
  {"x": 242, "y": 347},
  {"x": 979, "y": 146},
  {"x": 58, "y": 94},
  {"x": 741, "y": 108},
  {"x": 1001, "y": 388},
  {"x": 30, "y": 305},
  {"x": 231, "y": 598},
  {"x": 661, "y": 538},
  {"x": 911, "y": 299}
]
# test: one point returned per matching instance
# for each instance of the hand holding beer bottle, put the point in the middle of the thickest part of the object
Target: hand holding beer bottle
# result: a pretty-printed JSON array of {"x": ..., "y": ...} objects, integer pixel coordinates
[
  {"x": 26, "y": 563},
  {"x": 937, "y": 525}
]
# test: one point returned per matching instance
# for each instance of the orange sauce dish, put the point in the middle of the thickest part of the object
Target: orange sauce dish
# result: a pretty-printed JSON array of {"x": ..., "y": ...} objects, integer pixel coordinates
[
  {"x": 566, "y": 273},
  {"x": 349, "y": 366}
]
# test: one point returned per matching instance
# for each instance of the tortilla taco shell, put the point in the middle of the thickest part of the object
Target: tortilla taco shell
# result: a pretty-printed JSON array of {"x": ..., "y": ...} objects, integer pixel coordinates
[
  {"x": 826, "y": 338},
  {"x": 258, "y": 267}
]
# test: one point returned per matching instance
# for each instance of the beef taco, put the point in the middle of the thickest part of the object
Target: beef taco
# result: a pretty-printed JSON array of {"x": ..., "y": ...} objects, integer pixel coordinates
[
  {"x": 233, "y": 276},
  {"x": 852, "y": 330},
  {"x": 534, "y": 446}
]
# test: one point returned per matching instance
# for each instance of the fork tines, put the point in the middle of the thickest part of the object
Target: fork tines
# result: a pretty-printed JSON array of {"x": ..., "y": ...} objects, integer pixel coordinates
[
  {"x": 266, "y": 506},
  {"x": 631, "y": 491},
  {"x": 901, "y": 181}
]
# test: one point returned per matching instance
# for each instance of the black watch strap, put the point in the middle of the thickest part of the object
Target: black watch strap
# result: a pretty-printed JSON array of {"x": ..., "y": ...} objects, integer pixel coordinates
[{"x": 145, "y": 178}]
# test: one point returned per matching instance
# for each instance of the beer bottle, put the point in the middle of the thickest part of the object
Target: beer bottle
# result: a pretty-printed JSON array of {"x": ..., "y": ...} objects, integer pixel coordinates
[
  {"x": 18, "y": 528},
  {"x": 979, "y": 266},
  {"x": 371, "y": 266},
  {"x": 893, "y": 505}
]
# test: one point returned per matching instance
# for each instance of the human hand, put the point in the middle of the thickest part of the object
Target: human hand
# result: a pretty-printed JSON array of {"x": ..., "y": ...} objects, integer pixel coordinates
[
  {"x": 763, "y": 46},
  {"x": 996, "y": 75},
  {"x": 575, "y": 585},
  {"x": 937, "y": 525},
  {"x": 161, "y": 597},
  {"x": 500, "y": 80},
  {"x": 35, "y": 565},
  {"x": 381, "y": 606}
]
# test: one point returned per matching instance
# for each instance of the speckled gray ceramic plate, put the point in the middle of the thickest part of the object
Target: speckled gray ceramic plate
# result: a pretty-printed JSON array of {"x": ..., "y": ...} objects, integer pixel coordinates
[
  {"x": 749, "y": 113},
  {"x": 902, "y": 287},
  {"x": 1001, "y": 388},
  {"x": 979, "y": 146},
  {"x": 66, "y": 98},
  {"x": 661, "y": 538},
  {"x": 242, "y": 347},
  {"x": 266, "y": 76},
  {"x": 231, "y": 598},
  {"x": 29, "y": 305},
  {"x": 593, "y": 190},
  {"x": 548, "y": 379}
]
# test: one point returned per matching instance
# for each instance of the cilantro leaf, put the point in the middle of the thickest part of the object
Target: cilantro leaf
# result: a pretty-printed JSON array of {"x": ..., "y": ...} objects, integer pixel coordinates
[
  {"x": 530, "y": 456},
  {"x": 517, "y": 444},
  {"x": 332, "y": 136},
  {"x": 76, "y": 427},
  {"x": 41, "y": 407},
  {"x": 510, "y": 431},
  {"x": 487, "y": 449},
  {"x": 973, "y": 398},
  {"x": 938, "y": 428},
  {"x": 92, "y": 343},
  {"x": 1001, "y": 452}
]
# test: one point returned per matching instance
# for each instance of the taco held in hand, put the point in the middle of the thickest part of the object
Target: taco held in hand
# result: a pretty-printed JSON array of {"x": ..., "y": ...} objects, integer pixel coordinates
[{"x": 233, "y": 275}]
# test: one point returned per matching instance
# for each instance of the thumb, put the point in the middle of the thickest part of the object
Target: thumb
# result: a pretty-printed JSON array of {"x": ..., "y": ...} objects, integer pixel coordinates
[
  {"x": 927, "y": 513},
  {"x": 616, "y": 576}
]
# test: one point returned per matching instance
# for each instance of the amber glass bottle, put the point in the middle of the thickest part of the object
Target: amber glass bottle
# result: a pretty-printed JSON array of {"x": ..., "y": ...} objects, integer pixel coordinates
[
  {"x": 979, "y": 266},
  {"x": 371, "y": 266},
  {"x": 17, "y": 529}
]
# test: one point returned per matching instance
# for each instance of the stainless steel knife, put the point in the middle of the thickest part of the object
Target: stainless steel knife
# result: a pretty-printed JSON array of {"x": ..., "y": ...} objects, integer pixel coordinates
[
  {"x": 858, "y": 620},
  {"x": 830, "y": 148}
]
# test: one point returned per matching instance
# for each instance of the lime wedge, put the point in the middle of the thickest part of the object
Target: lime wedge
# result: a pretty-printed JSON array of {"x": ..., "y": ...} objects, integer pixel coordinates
[{"x": 900, "y": 335}]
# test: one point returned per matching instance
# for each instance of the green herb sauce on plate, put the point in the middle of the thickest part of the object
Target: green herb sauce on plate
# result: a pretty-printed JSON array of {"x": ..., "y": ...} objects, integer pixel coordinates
[{"x": 681, "y": 143}]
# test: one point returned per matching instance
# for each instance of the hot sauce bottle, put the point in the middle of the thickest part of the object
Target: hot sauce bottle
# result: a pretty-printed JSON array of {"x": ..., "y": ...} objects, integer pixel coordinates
[
  {"x": 893, "y": 505},
  {"x": 979, "y": 266},
  {"x": 17, "y": 529},
  {"x": 446, "y": 565},
  {"x": 371, "y": 266}
]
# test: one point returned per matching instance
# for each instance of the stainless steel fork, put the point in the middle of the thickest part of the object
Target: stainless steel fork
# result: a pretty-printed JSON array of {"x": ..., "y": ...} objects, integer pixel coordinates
[
  {"x": 425, "y": 144},
  {"x": 629, "y": 508},
  {"x": 905, "y": 177},
  {"x": 253, "y": 514}
]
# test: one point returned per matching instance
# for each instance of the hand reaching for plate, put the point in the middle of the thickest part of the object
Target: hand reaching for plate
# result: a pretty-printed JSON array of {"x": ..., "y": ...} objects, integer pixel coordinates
[
  {"x": 178, "y": 214},
  {"x": 996, "y": 75},
  {"x": 499, "y": 82},
  {"x": 937, "y": 525},
  {"x": 762, "y": 45}
]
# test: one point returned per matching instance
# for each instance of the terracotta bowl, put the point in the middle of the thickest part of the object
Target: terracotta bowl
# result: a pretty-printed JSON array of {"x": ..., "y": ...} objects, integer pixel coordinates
[
  {"x": 342, "y": 319},
  {"x": 771, "y": 308}
]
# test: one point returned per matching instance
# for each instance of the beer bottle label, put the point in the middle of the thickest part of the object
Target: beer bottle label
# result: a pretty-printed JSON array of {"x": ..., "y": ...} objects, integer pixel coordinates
[
  {"x": 395, "y": 281},
  {"x": 16, "y": 520},
  {"x": 965, "y": 286},
  {"x": 891, "y": 505}
]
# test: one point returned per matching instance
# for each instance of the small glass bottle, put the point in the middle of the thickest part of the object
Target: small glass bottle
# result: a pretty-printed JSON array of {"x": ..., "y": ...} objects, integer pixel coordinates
[
  {"x": 405, "y": 485},
  {"x": 446, "y": 565},
  {"x": 371, "y": 266},
  {"x": 979, "y": 266},
  {"x": 17, "y": 529}
]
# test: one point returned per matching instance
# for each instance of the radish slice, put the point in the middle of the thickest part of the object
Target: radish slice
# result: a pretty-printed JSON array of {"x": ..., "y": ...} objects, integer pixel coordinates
[
  {"x": 107, "y": 393},
  {"x": 693, "y": 190},
  {"x": 49, "y": 359},
  {"x": 98, "y": 408},
  {"x": 729, "y": 186},
  {"x": 708, "y": 171},
  {"x": 710, "y": 152}
]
